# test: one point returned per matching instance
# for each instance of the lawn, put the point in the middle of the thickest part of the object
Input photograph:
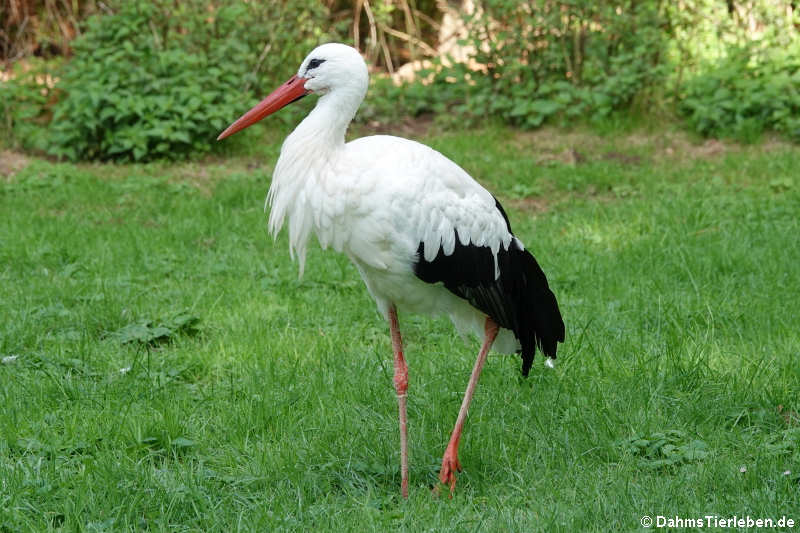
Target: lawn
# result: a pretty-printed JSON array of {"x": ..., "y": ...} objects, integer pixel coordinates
[{"x": 164, "y": 369}]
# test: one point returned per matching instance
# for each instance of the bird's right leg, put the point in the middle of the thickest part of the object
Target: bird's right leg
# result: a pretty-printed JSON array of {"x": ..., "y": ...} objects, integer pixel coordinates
[
  {"x": 401, "y": 386},
  {"x": 450, "y": 462}
]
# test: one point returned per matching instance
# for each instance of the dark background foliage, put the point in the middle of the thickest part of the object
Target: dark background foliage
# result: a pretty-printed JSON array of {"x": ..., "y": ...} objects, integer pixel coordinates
[{"x": 139, "y": 80}]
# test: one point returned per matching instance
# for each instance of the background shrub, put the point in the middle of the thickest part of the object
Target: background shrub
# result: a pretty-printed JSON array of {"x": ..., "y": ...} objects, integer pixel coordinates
[
  {"x": 747, "y": 93},
  {"x": 24, "y": 104},
  {"x": 571, "y": 59},
  {"x": 159, "y": 79}
]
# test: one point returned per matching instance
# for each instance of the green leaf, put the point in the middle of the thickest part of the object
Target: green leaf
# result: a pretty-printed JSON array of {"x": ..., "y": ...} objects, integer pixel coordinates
[
  {"x": 182, "y": 442},
  {"x": 545, "y": 107}
]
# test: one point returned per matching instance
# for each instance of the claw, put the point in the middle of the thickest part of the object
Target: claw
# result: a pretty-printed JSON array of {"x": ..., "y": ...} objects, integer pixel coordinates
[{"x": 450, "y": 465}]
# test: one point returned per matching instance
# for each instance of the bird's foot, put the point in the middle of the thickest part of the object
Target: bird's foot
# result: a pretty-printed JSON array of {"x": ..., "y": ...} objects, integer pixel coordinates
[{"x": 450, "y": 465}]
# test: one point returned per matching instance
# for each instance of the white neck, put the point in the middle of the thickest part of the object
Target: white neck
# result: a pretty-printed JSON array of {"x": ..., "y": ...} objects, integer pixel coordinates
[
  {"x": 325, "y": 127},
  {"x": 304, "y": 155}
]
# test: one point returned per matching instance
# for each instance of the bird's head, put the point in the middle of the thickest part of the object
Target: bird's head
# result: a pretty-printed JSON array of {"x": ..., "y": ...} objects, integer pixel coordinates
[{"x": 331, "y": 68}]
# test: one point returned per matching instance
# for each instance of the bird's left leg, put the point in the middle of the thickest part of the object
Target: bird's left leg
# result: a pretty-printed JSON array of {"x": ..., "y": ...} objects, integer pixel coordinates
[
  {"x": 401, "y": 387},
  {"x": 450, "y": 460}
]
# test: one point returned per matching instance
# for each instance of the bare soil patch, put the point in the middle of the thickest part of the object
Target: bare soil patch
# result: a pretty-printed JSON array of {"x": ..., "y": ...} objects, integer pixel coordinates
[
  {"x": 411, "y": 127},
  {"x": 11, "y": 162},
  {"x": 553, "y": 145}
]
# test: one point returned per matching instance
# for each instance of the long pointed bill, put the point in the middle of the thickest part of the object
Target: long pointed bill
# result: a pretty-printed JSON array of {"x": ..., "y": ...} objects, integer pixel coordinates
[{"x": 282, "y": 96}]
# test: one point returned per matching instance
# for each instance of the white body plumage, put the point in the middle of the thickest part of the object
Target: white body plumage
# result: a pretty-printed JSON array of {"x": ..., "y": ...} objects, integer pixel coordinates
[{"x": 376, "y": 199}]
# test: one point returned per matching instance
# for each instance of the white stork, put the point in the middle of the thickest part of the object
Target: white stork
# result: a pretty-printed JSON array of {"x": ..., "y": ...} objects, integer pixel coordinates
[{"x": 423, "y": 234}]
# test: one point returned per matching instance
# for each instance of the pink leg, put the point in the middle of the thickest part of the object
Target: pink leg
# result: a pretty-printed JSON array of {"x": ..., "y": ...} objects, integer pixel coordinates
[
  {"x": 450, "y": 460},
  {"x": 401, "y": 386}
]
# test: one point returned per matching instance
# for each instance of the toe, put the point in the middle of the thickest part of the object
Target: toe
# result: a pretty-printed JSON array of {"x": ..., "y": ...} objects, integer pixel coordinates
[{"x": 445, "y": 474}]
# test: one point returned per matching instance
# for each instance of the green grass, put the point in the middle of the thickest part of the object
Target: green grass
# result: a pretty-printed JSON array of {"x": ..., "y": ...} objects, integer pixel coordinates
[{"x": 265, "y": 403}]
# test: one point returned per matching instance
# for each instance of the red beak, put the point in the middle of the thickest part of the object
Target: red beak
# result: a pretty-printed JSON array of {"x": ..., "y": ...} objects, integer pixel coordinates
[{"x": 282, "y": 96}]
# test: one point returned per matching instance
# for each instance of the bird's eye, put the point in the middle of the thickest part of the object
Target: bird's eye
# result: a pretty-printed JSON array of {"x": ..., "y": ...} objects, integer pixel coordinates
[{"x": 314, "y": 63}]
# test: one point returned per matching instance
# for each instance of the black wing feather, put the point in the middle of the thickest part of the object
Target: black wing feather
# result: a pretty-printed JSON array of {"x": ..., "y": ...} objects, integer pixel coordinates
[{"x": 520, "y": 299}]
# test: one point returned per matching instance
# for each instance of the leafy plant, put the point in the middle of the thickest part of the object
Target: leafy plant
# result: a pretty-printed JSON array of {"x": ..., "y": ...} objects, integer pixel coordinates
[
  {"x": 536, "y": 61},
  {"x": 786, "y": 442},
  {"x": 25, "y": 101},
  {"x": 150, "y": 332},
  {"x": 161, "y": 80},
  {"x": 670, "y": 448},
  {"x": 162, "y": 443},
  {"x": 749, "y": 92}
]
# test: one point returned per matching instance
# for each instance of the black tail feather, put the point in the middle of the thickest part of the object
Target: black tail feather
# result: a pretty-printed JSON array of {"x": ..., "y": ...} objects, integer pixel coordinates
[
  {"x": 519, "y": 299},
  {"x": 537, "y": 309}
]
